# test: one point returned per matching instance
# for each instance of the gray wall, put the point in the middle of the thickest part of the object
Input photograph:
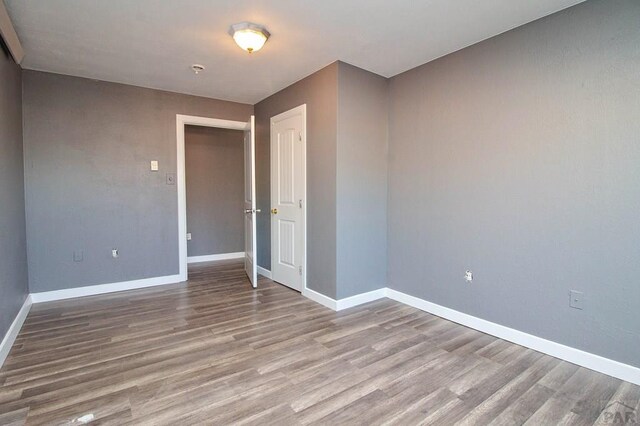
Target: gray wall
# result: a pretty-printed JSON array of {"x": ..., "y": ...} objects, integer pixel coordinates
[
  {"x": 319, "y": 92},
  {"x": 88, "y": 185},
  {"x": 518, "y": 158},
  {"x": 214, "y": 161},
  {"x": 361, "y": 206},
  {"x": 14, "y": 284}
]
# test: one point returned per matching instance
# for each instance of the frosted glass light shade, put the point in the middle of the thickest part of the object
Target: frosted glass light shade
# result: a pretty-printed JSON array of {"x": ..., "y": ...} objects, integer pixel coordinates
[{"x": 250, "y": 37}]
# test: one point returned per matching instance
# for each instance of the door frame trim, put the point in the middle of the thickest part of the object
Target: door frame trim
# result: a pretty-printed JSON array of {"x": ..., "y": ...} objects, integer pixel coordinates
[
  {"x": 293, "y": 111},
  {"x": 181, "y": 122}
]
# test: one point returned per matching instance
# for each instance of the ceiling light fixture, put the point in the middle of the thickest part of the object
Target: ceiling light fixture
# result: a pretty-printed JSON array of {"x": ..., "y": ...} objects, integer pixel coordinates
[{"x": 250, "y": 37}]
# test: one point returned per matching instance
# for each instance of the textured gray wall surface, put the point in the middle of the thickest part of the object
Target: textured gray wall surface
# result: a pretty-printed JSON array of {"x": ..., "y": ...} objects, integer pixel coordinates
[
  {"x": 319, "y": 92},
  {"x": 361, "y": 181},
  {"x": 14, "y": 283},
  {"x": 89, "y": 187},
  {"x": 518, "y": 158},
  {"x": 214, "y": 160}
]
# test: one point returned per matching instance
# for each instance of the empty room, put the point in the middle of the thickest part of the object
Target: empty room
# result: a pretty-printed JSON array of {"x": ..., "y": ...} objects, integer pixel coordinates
[{"x": 354, "y": 212}]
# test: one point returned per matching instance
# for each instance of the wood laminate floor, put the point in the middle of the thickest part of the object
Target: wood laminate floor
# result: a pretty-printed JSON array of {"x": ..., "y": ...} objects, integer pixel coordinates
[{"x": 214, "y": 351}]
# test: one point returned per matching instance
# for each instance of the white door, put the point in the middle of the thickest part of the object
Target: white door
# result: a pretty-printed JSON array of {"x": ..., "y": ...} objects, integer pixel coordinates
[
  {"x": 250, "y": 262},
  {"x": 288, "y": 197}
]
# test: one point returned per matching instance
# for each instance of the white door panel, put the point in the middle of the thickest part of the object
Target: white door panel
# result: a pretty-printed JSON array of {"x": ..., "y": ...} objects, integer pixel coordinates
[
  {"x": 286, "y": 231},
  {"x": 250, "y": 262},
  {"x": 288, "y": 192},
  {"x": 286, "y": 154}
]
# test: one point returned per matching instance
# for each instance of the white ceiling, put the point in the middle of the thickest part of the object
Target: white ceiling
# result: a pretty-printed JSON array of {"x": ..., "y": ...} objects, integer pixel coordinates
[{"x": 152, "y": 43}]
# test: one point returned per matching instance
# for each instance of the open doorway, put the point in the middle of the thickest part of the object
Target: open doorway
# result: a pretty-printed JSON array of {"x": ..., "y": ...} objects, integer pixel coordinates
[
  {"x": 214, "y": 172},
  {"x": 224, "y": 133}
]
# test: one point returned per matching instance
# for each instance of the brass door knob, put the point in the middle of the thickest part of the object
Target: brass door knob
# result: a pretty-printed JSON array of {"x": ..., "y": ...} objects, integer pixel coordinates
[{"x": 274, "y": 211}]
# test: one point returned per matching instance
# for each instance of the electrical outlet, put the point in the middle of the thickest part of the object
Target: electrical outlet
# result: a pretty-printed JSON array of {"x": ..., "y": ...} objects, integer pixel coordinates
[
  {"x": 154, "y": 165},
  {"x": 188, "y": 236},
  {"x": 576, "y": 299},
  {"x": 115, "y": 253},
  {"x": 468, "y": 276}
]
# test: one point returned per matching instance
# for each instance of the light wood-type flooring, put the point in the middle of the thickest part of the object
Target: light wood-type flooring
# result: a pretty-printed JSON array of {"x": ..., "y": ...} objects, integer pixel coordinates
[{"x": 215, "y": 351}]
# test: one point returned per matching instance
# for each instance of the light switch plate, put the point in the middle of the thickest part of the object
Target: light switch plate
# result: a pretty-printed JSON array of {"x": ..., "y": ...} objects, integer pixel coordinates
[
  {"x": 188, "y": 236},
  {"x": 154, "y": 165},
  {"x": 576, "y": 300}
]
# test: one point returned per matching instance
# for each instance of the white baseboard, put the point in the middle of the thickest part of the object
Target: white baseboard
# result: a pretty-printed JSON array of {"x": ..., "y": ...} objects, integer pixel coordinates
[
  {"x": 579, "y": 357},
  {"x": 14, "y": 329},
  {"x": 360, "y": 299},
  {"x": 214, "y": 257},
  {"x": 264, "y": 272},
  {"x": 70, "y": 293},
  {"x": 320, "y": 298},
  {"x": 348, "y": 302},
  {"x": 575, "y": 356}
]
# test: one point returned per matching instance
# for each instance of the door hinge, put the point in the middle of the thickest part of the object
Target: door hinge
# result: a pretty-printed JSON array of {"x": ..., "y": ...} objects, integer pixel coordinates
[
  {"x": 300, "y": 136},
  {"x": 300, "y": 203},
  {"x": 300, "y": 270}
]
